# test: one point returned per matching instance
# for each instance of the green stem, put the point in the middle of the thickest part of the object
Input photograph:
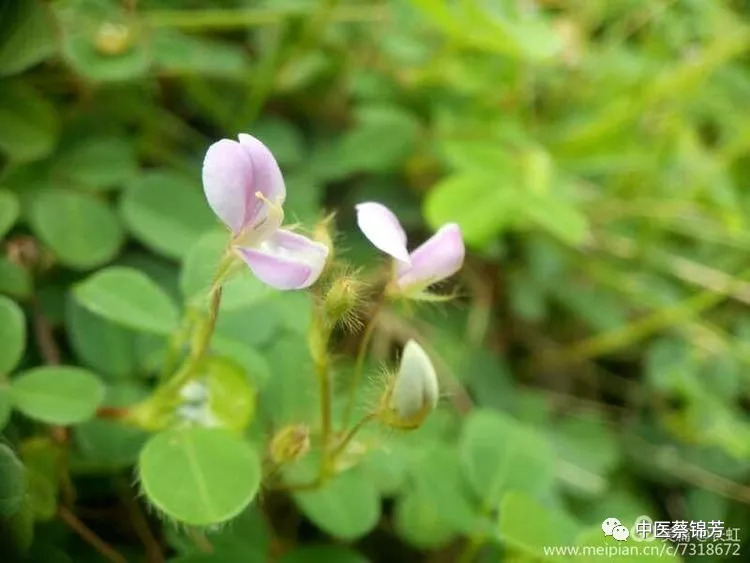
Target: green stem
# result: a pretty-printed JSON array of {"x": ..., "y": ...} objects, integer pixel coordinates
[
  {"x": 350, "y": 435},
  {"x": 206, "y": 330},
  {"x": 324, "y": 386},
  {"x": 360, "y": 362}
]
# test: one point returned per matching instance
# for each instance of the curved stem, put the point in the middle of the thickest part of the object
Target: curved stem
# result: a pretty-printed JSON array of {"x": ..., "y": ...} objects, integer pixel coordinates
[
  {"x": 360, "y": 362},
  {"x": 350, "y": 435},
  {"x": 200, "y": 345}
]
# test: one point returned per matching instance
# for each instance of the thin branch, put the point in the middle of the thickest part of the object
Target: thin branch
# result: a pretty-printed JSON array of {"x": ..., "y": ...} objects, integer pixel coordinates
[
  {"x": 106, "y": 550},
  {"x": 45, "y": 339}
]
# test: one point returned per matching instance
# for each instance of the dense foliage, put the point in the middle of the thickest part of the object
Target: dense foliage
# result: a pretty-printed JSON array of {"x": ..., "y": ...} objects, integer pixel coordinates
[{"x": 592, "y": 353}]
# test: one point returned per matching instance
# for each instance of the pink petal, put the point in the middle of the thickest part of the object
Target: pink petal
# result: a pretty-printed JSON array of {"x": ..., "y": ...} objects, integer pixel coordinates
[
  {"x": 267, "y": 178},
  {"x": 441, "y": 256},
  {"x": 228, "y": 181},
  {"x": 382, "y": 228},
  {"x": 286, "y": 260}
]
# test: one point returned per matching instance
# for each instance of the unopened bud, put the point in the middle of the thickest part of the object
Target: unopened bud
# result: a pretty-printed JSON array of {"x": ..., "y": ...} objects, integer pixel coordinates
[
  {"x": 113, "y": 38},
  {"x": 341, "y": 300},
  {"x": 290, "y": 443},
  {"x": 413, "y": 392}
]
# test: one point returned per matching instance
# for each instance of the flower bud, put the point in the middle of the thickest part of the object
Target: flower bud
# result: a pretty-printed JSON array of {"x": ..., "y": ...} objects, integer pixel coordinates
[
  {"x": 113, "y": 38},
  {"x": 341, "y": 300},
  {"x": 413, "y": 393},
  {"x": 290, "y": 443}
]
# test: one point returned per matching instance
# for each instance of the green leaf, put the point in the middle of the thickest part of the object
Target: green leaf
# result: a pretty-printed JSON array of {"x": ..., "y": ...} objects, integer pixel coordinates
[
  {"x": 323, "y": 554},
  {"x": 346, "y": 507},
  {"x": 178, "y": 53},
  {"x": 221, "y": 471},
  {"x": 14, "y": 280},
  {"x": 231, "y": 398},
  {"x": 560, "y": 219},
  {"x": 241, "y": 290},
  {"x": 551, "y": 526},
  {"x": 436, "y": 507},
  {"x": 363, "y": 149},
  {"x": 102, "y": 43},
  {"x": 248, "y": 532},
  {"x": 166, "y": 212},
  {"x": 6, "y": 405},
  {"x": 106, "y": 347},
  {"x": 419, "y": 521},
  {"x": 288, "y": 396},
  {"x": 97, "y": 163},
  {"x": 81, "y": 231},
  {"x": 9, "y": 210},
  {"x": 283, "y": 139},
  {"x": 128, "y": 297},
  {"x": 27, "y": 35},
  {"x": 12, "y": 482},
  {"x": 587, "y": 451},
  {"x": 43, "y": 460},
  {"x": 110, "y": 445},
  {"x": 12, "y": 335},
  {"x": 57, "y": 394},
  {"x": 482, "y": 205},
  {"x": 29, "y": 125},
  {"x": 498, "y": 454}
]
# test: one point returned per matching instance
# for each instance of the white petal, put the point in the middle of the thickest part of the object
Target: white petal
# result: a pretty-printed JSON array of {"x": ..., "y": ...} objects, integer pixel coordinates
[
  {"x": 382, "y": 228},
  {"x": 415, "y": 392}
]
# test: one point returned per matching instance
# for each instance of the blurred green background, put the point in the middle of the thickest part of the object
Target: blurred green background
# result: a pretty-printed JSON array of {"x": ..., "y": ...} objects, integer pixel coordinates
[{"x": 595, "y": 154}]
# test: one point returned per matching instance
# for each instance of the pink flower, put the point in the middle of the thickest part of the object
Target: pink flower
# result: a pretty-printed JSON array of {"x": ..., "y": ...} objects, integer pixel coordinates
[
  {"x": 244, "y": 187},
  {"x": 441, "y": 256}
]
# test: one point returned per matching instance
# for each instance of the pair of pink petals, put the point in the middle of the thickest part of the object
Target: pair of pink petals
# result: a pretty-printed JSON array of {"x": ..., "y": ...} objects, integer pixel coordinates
[
  {"x": 245, "y": 188},
  {"x": 441, "y": 256}
]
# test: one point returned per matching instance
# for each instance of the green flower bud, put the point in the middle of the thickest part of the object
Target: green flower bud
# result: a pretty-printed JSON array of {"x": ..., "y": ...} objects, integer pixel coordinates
[
  {"x": 113, "y": 38},
  {"x": 341, "y": 300},
  {"x": 290, "y": 443},
  {"x": 413, "y": 392}
]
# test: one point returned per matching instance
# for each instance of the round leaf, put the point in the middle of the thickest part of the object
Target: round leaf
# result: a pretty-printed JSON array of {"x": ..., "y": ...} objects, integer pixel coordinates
[
  {"x": 9, "y": 209},
  {"x": 27, "y": 35},
  {"x": 14, "y": 280},
  {"x": 107, "y": 347},
  {"x": 220, "y": 471},
  {"x": 498, "y": 453},
  {"x": 57, "y": 394},
  {"x": 12, "y": 482},
  {"x": 166, "y": 212},
  {"x": 128, "y": 297},
  {"x": 101, "y": 43},
  {"x": 12, "y": 334},
  {"x": 347, "y": 507},
  {"x": 97, "y": 163},
  {"x": 29, "y": 125},
  {"x": 81, "y": 231}
]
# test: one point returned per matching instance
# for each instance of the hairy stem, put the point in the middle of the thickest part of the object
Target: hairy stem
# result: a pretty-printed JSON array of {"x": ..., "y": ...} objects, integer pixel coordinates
[
  {"x": 364, "y": 344},
  {"x": 319, "y": 336}
]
